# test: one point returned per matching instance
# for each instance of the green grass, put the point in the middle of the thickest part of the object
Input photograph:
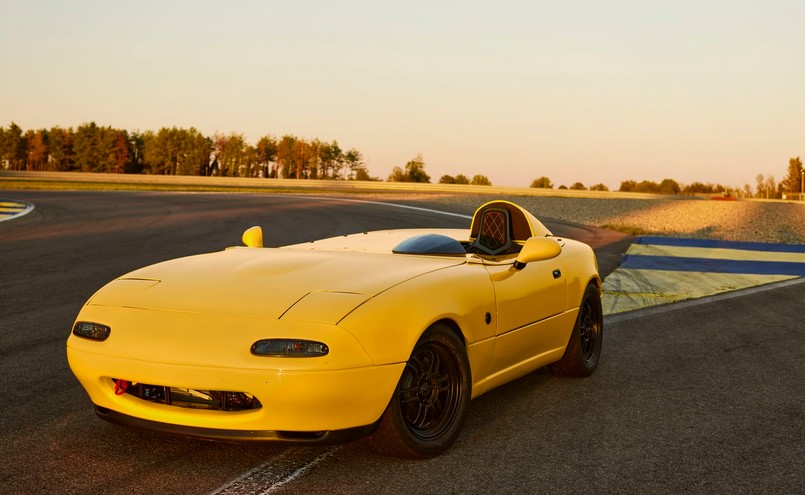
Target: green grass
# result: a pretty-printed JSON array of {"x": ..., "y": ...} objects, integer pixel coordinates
[
  {"x": 137, "y": 182},
  {"x": 67, "y": 185}
]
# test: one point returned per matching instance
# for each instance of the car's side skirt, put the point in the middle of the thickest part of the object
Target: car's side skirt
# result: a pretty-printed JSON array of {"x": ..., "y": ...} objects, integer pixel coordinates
[
  {"x": 514, "y": 372},
  {"x": 523, "y": 350}
]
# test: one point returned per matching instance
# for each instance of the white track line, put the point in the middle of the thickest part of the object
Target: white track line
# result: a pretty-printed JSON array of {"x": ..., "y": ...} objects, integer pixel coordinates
[
  {"x": 417, "y": 208},
  {"x": 28, "y": 209},
  {"x": 396, "y": 205},
  {"x": 276, "y": 472}
]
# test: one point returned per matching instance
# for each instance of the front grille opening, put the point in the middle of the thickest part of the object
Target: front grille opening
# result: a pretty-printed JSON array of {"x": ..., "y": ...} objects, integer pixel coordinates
[{"x": 216, "y": 400}]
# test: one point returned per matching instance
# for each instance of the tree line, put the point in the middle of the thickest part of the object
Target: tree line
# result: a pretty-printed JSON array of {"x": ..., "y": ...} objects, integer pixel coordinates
[
  {"x": 178, "y": 151},
  {"x": 766, "y": 186},
  {"x": 414, "y": 171},
  {"x": 175, "y": 151}
]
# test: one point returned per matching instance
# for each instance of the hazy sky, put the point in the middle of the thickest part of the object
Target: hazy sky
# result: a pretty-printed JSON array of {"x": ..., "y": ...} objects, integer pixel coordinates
[{"x": 590, "y": 91}]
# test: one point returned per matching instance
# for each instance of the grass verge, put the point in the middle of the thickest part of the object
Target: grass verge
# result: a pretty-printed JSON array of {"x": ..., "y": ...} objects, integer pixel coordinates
[{"x": 68, "y": 185}]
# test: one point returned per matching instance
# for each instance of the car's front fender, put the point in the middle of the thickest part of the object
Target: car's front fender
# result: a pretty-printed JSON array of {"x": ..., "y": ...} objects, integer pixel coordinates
[{"x": 389, "y": 325}]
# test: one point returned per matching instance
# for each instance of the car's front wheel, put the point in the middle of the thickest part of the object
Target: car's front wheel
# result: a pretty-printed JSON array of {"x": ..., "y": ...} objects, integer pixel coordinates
[{"x": 430, "y": 403}]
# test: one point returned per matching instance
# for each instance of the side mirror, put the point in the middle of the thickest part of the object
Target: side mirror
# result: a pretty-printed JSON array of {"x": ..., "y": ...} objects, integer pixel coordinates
[
  {"x": 253, "y": 237},
  {"x": 537, "y": 249}
]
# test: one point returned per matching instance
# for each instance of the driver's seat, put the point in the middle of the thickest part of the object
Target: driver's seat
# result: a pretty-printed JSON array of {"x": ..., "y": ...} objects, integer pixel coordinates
[
  {"x": 494, "y": 232},
  {"x": 500, "y": 227}
]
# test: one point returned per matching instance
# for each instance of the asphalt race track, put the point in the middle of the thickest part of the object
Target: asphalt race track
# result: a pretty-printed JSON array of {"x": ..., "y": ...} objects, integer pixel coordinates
[{"x": 689, "y": 398}]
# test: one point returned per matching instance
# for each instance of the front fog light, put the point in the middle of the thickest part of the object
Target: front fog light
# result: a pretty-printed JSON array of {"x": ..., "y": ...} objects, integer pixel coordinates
[
  {"x": 289, "y": 348},
  {"x": 93, "y": 331}
]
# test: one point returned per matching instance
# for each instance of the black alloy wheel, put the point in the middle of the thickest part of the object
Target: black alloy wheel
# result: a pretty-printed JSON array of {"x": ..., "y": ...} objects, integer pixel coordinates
[
  {"x": 584, "y": 348},
  {"x": 430, "y": 390},
  {"x": 589, "y": 328},
  {"x": 429, "y": 406}
]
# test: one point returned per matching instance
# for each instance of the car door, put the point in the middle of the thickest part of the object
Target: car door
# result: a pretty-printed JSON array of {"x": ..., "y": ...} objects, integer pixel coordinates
[{"x": 527, "y": 300}]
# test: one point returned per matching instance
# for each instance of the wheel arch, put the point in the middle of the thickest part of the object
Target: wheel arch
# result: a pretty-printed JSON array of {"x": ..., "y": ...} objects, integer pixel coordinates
[
  {"x": 596, "y": 281},
  {"x": 453, "y": 325},
  {"x": 581, "y": 270},
  {"x": 390, "y": 324}
]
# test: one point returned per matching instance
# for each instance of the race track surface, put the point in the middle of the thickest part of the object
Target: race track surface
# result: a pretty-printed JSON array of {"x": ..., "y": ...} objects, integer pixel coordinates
[{"x": 697, "y": 398}]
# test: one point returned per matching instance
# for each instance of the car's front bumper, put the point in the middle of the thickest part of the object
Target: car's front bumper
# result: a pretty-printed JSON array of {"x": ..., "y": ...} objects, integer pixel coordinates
[
  {"x": 329, "y": 437},
  {"x": 292, "y": 401}
]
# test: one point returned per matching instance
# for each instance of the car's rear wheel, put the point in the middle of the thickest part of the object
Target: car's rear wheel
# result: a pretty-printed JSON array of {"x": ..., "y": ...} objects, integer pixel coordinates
[
  {"x": 584, "y": 348},
  {"x": 430, "y": 403}
]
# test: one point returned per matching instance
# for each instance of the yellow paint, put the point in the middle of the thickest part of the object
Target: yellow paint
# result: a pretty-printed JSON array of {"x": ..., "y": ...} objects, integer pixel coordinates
[
  {"x": 190, "y": 323},
  {"x": 714, "y": 253},
  {"x": 514, "y": 351},
  {"x": 628, "y": 289},
  {"x": 539, "y": 249},
  {"x": 528, "y": 295},
  {"x": 324, "y": 307},
  {"x": 13, "y": 209},
  {"x": 253, "y": 237},
  {"x": 292, "y": 400}
]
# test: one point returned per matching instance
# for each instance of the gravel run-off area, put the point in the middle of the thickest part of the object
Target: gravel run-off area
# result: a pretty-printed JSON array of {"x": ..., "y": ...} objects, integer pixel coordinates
[{"x": 751, "y": 221}]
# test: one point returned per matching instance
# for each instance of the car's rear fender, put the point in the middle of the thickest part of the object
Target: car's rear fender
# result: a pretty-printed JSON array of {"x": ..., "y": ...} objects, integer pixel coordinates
[{"x": 581, "y": 269}]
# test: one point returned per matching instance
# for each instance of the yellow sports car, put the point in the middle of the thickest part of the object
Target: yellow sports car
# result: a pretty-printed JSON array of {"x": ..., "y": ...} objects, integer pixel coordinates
[{"x": 387, "y": 333}]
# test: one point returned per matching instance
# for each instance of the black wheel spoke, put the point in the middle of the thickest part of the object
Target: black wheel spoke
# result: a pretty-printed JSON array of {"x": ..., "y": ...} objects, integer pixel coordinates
[
  {"x": 434, "y": 364},
  {"x": 424, "y": 392},
  {"x": 408, "y": 395},
  {"x": 417, "y": 366},
  {"x": 433, "y": 392},
  {"x": 443, "y": 383},
  {"x": 438, "y": 408},
  {"x": 421, "y": 416}
]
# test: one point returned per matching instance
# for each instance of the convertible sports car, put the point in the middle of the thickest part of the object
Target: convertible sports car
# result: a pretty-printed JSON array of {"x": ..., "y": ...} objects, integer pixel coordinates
[{"x": 387, "y": 333}]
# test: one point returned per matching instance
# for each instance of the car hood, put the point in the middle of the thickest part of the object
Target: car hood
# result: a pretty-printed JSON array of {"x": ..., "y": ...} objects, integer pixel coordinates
[{"x": 265, "y": 282}]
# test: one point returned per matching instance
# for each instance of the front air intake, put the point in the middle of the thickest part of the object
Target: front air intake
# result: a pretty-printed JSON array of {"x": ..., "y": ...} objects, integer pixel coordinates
[{"x": 216, "y": 400}]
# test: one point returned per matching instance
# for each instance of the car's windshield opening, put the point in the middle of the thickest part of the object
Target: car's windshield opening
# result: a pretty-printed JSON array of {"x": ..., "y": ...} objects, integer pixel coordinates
[{"x": 433, "y": 244}]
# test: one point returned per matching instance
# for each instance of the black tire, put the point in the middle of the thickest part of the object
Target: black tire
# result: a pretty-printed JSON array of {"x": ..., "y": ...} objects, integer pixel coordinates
[
  {"x": 430, "y": 403},
  {"x": 584, "y": 348}
]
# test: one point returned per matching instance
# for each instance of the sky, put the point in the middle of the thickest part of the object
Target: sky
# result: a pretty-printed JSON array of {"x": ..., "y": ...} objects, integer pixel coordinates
[{"x": 587, "y": 91}]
